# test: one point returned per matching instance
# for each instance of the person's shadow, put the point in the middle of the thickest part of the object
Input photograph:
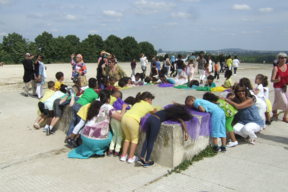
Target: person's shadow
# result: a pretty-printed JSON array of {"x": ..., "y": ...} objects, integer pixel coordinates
[{"x": 278, "y": 139}]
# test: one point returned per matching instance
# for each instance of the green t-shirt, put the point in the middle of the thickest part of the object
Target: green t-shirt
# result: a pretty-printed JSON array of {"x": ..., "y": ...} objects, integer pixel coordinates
[
  {"x": 68, "y": 97},
  {"x": 228, "y": 109},
  {"x": 88, "y": 96}
]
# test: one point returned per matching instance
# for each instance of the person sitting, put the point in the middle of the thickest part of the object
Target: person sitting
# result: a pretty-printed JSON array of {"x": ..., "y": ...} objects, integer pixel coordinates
[
  {"x": 181, "y": 78},
  {"x": 228, "y": 82}
]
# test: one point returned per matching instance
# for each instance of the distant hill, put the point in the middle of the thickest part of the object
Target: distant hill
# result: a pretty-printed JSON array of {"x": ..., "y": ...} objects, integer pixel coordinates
[{"x": 232, "y": 49}]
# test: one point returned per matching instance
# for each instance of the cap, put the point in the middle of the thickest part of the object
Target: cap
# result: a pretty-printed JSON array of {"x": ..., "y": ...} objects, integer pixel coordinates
[{"x": 27, "y": 54}]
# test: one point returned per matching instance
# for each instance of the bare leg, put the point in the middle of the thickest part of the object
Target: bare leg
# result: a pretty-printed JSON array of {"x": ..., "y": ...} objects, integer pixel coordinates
[
  {"x": 268, "y": 118},
  {"x": 132, "y": 150},
  {"x": 286, "y": 114},
  {"x": 54, "y": 121},
  {"x": 125, "y": 148},
  {"x": 223, "y": 141},
  {"x": 43, "y": 119},
  {"x": 232, "y": 136},
  {"x": 215, "y": 142},
  {"x": 275, "y": 114}
]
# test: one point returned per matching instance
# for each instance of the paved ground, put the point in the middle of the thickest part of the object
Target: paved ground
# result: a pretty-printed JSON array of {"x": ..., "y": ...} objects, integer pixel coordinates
[{"x": 31, "y": 161}]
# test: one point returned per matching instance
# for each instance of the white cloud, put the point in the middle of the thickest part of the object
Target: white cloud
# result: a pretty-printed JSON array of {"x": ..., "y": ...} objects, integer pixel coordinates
[
  {"x": 52, "y": 16},
  {"x": 248, "y": 20},
  {"x": 54, "y": 30},
  {"x": 266, "y": 10},
  {"x": 6, "y": 2},
  {"x": 182, "y": 15},
  {"x": 112, "y": 13},
  {"x": 244, "y": 32},
  {"x": 171, "y": 24},
  {"x": 148, "y": 7},
  {"x": 232, "y": 34},
  {"x": 69, "y": 17},
  {"x": 251, "y": 32},
  {"x": 241, "y": 7},
  {"x": 3, "y": 34},
  {"x": 93, "y": 31}
]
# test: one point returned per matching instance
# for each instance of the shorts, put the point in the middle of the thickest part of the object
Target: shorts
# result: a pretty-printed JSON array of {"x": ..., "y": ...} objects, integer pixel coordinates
[
  {"x": 41, "y": 107},
  {"x": 131, "y": 129},
  {"x": 58, "y": 109}
]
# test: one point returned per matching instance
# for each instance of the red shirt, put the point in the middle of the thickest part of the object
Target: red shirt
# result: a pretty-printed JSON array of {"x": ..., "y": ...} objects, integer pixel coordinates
[{"x": 284, "y": 77}]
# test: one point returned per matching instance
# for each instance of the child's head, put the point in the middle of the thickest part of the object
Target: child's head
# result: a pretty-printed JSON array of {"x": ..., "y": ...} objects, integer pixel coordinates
[
  {"x": 260, "y": 79},
  {"x": 122, "y": 82},
  {"x": 176, "y": 112},
  {"x": 154, "y": 65},
  {"x": 210, "y": 97},
  {"x": 245, "y": 81},
  {"x": 230, "y": 96},
  {"x": 163, "y": 71},
  {"x": 137, "y": 76},
  {"x": 112, "y": 80},
  {"x": 104, "y": 96},
  {"x": 210, "y": 79},
  {"x": 63, "y": 88},
  {"x": 147, "y": 80},
  {"x": 92, "y": 82},
  {"x": 145, "y": 96},
  {"x": 189, "y": 101},
  {"x": 153, "y": 56},
  {"x": 235, "y": 57},
  {"x": 228, "y": 74},
  {"x": 128, "y": 80},
  {"x": 180, "y": 56},
  {"x": 216, "y": 62},
  {"x": 130, "y": 100},
  {"x": 105, "y": 81},
  {"x": 59, "y": 76},
  {"x": 51, "y": 85},
  {"x": 191, "y": 61},
  {"x": 117, "y": 94},
  {"x": 157, "y": 59},
  {"x": 76, "y": 88}
]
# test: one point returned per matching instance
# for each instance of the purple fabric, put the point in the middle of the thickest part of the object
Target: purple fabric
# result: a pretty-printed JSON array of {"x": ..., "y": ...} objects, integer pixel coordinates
[
  {"x": 143, "y": 121},
  {"x": 166, "y": 85},
  {"x": 141, "y": 84},
  {"x": 227, "y": 90},
  {"x": 205, "y": 127},
  {"x": 118, "y": 104}
]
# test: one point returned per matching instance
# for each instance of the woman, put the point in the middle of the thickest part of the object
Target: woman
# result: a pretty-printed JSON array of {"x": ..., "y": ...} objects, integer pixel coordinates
[
  {"x": 144, "y": 63},
  {"x": 166, "y": 64},
  {"x": 173, "y": 65},
  {"x": 40, "y": 75},
  {"x": 235, "y": 64},
  {"x": 201, "y": 69},
  {"x": 210, "y": 66},
  {"x": 79, "y": 68},
  {"x": 101, "y": 61},
  {"x": 279, "y": 79},
  {"x": 229, "y": 63},
  {"x": 249, "y": 120},
  {"x": 113, "y": 70}
]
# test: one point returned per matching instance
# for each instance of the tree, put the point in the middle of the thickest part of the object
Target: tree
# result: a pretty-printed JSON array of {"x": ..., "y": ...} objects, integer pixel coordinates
[
  {"x": 43, "y": 41},
  {"x": 131, "y": 48},
  {"x": 74, "y": 40},
  {"x": 113, "y": 45},
  {"x": 59, "y": 50},
  {"x": 90, "y": 48},
  {"x": 148, "y": 49}
]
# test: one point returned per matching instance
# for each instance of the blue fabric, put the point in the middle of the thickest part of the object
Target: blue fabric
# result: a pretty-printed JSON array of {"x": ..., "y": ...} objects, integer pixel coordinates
[
  {"x": 41, "y": 70},
  {"x": 212, "y": 85},
  {"x": 207, "y": 105},
  {"x": 171, "y": 81},
  {"x": 167, "y": 70},
  {"x": 218, "y": 123},
  {"x": 90, "y": 147},
  {"x": 249, "y": 115},
  {"x": 179, "y": 71},
  {"x": 172, "y": 60},
  {"x": 75, "y": 119},
  {"x": 158, "y": 65},
  {"x": 68, "y": 101}
]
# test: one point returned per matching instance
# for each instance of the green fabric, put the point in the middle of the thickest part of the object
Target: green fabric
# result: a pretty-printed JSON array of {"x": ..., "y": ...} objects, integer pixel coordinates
[
  {"x": 212, "y": 85},
  {"x": 228, "y": 124},
  {"x": 181, "y": 87},
  {"x": 88, "y": 96},
  {"x": 228, "y": 109},
  {"x": 206, "y": 88},
  {"x": 68, "y": 97}
]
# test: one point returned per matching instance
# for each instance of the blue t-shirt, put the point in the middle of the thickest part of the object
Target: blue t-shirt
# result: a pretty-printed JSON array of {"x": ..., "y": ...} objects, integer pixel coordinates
[
  {"x": 207, "y": 105},
  {"x": 158, "y": 65},
  {"x": 212, "y": 85}
]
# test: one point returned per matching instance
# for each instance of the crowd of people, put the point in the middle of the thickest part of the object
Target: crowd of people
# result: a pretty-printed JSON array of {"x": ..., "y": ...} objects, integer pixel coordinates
[{"x": 102, "y": 119}]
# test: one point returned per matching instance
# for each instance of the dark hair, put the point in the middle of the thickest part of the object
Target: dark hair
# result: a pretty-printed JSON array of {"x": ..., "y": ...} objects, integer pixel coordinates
[
  {"x": 180, "y": 56},
  {"x": 188, "y": 98},
  {"x": 50, "y": 84},
  {"x": 92, "y": 82},
  {"x": 163, "y": 71},
  {"x": 191, "y": 61},
  {"x": 210, "y": 97},
  {"x": 105, "y": 80},
  {"x": 133, "y": 59},
  {"x": 176, "y": 112},
  {"x": 147, "y": 80},
  {"x": 247, "y": 93},
  {"x": 210, "y": 77},
  {"x": 235, "y": 57},
  {"x": 112, "y": 60},
  {"x": 193, "y": 82},
  {"x": 104, "y": 95},
  {"x": 228, "y": 74},
  {"x": 126, "y": 79},
  {"x": 261, "y": 78},
  {"x": 138, "y": 75},
  {"x": 246, "y": 82},
  {"x": 265, "y": 81},
  {"x": 122, "y": 82},
  {"x": 93, "y": 110},
  {"x": 117, "y": 94},
  {"x": 201, "y": 56},
  {"x": 59, "y": 75},
  {"x": 157, "y": 59},
  {"x": 130, "y": 100},
  {"x": 229, "y": 56},
  {"x": 31, "y": 54},
  {"x": 165, "y": 57},
  {"x": 112, "y": 79},
  {"x": 154, "y": 64},
  {"x": 63, "y": 88},
  {"x": 229, "y": 95},
  {"x": 152, "y": 56},
  {"x": 76, "y": 87},
  {"x": 142, "y": 96}
]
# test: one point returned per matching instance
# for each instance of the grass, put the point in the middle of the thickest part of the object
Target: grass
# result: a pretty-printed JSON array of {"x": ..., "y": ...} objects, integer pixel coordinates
[{"x": 208, "y": 152}]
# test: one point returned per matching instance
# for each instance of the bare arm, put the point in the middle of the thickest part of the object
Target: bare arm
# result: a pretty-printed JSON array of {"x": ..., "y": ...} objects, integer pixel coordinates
[
  {"x": 157, "y": 71},
  {"x": 200, "y": 108},
  {"x": 273, "y": 76},
  {"x": 118, "y": 116},
  {"x": 63, "y": 99},
  {"x": 247, "y": 103},
  {"x": 185, "y": 129}
]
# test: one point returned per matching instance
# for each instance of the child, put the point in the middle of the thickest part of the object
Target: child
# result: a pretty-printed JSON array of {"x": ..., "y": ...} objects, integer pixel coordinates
[
  {"x": 153, "y": 124},
  {"x": 216, "y": 71},
  {"x": 112, "y": 81},
  {"x": 209, "y": 82},
  {"x": 107, "y": 84},
  {"x": 181, "y": 78},
  {"x": 230, "y": 112},
  {"x": 130, "y": 123},
  {"x": 154, "y": 70},
  {"x": 128, "y": 81},
  {"x": 138, "y": 80},
  {"x": 47, "y": 94},
  {"x": 158, "y": 64},
  {"x": 268, "y": 102},
  {"x": 60, "y": 78},
  {"x": 218, "y": 119},
  {"x": 228, "y": 82},
  {"x": 147, "y": 81},
  {"x": 130, "y": 100},
  {"x": 230, "y": 96},
  {"x": 206, "y": 69},
  {"x": 122, "y": 83},
  {"x": 190, "y": 73},
  {"x": 133, "y": 66}
]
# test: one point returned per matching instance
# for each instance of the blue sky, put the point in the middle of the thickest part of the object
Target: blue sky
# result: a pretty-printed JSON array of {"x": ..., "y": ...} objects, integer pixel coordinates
[{"x": 170, "y": 24}]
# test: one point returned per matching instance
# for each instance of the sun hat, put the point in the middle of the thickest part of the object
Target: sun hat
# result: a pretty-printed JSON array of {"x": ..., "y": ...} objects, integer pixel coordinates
[
  {"x": 104, "y": 53},
  {"x": 27, "y": 54},
  {"x": 282, "y": 54},
  {"x": 104, "y": 56}
]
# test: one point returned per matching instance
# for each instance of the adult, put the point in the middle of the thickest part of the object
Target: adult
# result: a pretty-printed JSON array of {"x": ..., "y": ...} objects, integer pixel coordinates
[
  {"x": 201, "y": 62},
  {"x": 79, "y": 68},
  {"x": 279, "y": 79},
  {"x": 210, "y": 66},
  {"x": 113, "y": 70},
  {"x": 222, "y": 63},
  {"x": 40, "y": 75},
  {"x": 28, "y": 75},
  {"x": 144, "y": 63},
  {"x": 229, "y": 62},
  {"x": 101, "y": 61},
  {"x": 180, "y": 64},
  {"x": 166, "y": 64},
  {"x": 248, "y": 119},
  {"x": 235, "y": 64}
]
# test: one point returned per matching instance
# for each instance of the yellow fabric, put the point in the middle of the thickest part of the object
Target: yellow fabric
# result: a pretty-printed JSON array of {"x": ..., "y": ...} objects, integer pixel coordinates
[
  {"x": 131, "y": 129},
  {"x": 47, "y": 94},
  {"x": 228, "y": 83},
  {"x": 229, "y": 62},
  {"x": 83, "y": 111},
  {"x": 269, "y": 105},
  {"x": 218, "y": 89},
  {"x": 112, "y": 100},
  {"x": 58, "y": 85},
  {"x": 139, "y": 110},
  {"x": 121, "y": 88},
  {"x": 159, "y": 108}
]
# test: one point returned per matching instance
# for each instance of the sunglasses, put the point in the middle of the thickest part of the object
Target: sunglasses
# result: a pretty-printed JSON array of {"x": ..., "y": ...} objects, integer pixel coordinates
[
  {"x": 283, "y": 57},
  {"x": 78, "y": 57},
  {"x": 241, "y": 91}
]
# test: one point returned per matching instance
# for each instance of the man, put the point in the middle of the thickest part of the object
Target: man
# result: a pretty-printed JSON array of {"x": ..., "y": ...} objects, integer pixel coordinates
[
  {"x": 222, "y": 62},
  {"x": 28, "y": 74}
]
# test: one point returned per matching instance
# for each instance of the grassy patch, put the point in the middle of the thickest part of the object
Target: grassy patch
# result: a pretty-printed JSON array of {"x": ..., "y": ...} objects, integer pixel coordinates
[{"x": 208, "y": 152}]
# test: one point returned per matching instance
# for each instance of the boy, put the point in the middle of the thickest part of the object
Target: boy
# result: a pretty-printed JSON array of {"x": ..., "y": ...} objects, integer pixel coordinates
[
  {"x": 60, "y": 78},
  {"x": 210, "y": 82},
  {"x": 47, "y": 94},
  {"x": 133, "y": 66},
  {"x": 153, "y": 60},
  {"x": 228, "y": 82},
  {"x": 138, "y": 80},
  {"x": 216, "y": 73},
  {"x": 108, "y": 85},
  {"x": 154, "y": 70},
  {"x": 112, "y": 81},
  {"x": 158, "y": 64},
  {"x": 122, "y": 82}
]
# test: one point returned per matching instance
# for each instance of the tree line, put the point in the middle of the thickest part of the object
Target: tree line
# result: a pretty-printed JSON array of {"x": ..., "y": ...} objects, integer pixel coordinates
[{"x": 59, "y": 49}]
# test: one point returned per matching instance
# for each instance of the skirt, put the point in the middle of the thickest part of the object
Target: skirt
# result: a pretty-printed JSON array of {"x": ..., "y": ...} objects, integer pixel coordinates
[
  {"x": 90, "y": 147},
  {"x": 218, "y": 122},
  {"x": 280, "y": 99}
]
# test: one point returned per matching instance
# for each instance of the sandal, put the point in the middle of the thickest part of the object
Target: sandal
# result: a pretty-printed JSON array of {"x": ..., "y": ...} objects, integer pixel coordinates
[
  {"x": 275, "y": 115},
  {"x": 285, "y": 119},
  {"x": 116, "y": 154},
  {"x": 36, "y": 126},
  {"x": 109, "y": 153}
]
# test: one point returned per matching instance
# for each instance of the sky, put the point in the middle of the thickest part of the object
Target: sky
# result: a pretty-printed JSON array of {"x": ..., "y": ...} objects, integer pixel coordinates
[{"x": 171, "y": 25}]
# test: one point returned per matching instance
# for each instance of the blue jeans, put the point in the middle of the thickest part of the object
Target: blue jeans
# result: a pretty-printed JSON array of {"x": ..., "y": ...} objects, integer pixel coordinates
[
  {"x": 75, "y": 119},
  {"x": 68, "y": 101},
  {"x": 167, "y": 70},
  {"x": 179, "y": 71}
]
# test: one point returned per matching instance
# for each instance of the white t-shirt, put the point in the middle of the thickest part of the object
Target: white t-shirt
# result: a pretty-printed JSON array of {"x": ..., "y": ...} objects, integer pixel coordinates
[
  {"x": 143, "y": 61},
  {"x": 261, "y": 91},
  {"x": 210, "y": 65},
  {"x": 50, "y": 101},
  {"x": 235, "y": 63},
  {"x": 266, "y": 92}
]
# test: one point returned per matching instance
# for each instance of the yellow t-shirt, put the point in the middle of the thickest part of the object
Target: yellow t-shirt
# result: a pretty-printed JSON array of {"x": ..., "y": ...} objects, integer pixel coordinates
[
  {"x": 47, "y": 94},
  {"x": 58, "y": 85},
  {"x": 228, "y": 83},
  {"x": 139, "y": 110},
  {"x": 229, "y": 62},
  {"x": 112, "y": 100}
]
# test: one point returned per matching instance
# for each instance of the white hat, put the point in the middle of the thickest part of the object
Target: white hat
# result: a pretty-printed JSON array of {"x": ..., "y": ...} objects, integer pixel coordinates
[
  {"x": 27, "y": 54},
  {"x": 281, "y": 55}
]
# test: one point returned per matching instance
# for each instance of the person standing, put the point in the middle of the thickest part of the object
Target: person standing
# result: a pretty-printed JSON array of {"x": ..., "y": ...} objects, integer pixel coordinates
[
  {"x": 201, "y": 63},
  {"x": 166, "y": 63},
  {"x": 28, "y": 74},
  {"x": 133, "y": 66},
  {"x": 40, "y": 75},
  {"x": 229, "y": 62},
  {"x": 235, "y": 64},
  {"x": 222, "y": 63},
  {"x": 144, "y": 63}
]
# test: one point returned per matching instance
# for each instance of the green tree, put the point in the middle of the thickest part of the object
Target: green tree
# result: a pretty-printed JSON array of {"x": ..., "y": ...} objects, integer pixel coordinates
[
  {"x": 59, "y": 50},
  {"x": 148, "y": 49},
  {"x": 43, "y": 41},
  {"x": 74, "y": 40},
  {"x": 131, "y": 48},
  {"x": 113, "y": 45},
  {"x": 90, "y": 48}
]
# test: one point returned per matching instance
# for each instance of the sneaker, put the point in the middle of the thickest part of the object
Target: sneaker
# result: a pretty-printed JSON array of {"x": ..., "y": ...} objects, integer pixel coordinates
[
  {"x": 48, "y": 131},
  {"x": 222, "y": 149},
  {"x": 268, "y": 122},
  {"x": 232, "y": 144},
  {"x": 109, "y": 153},
  {"x": 215, "y": 149},
  {"x": 252, "y": 141},
  {"x": 52, "y": 132},
  {"x": 44, "y": 129},
  {"x": 123, "y": 158},
  {"x": 141, "y": 161},
  {"x": 116, "y": 154},
  {"x": 26, "y": 95},
  {"x": 148, "y": 164},
  {"x": 132, "y": 160}
]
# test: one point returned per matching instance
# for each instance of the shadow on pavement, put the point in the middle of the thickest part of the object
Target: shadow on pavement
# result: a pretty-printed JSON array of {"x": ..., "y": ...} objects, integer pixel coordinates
[{"x": 278, "y": 139}]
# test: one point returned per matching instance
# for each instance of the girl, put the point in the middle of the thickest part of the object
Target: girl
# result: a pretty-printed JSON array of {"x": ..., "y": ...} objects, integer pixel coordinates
[
  {"x": 40, "y": 75},
  {"x": 96, "y": 136},
  {"x": 235, "y": 64},
  {"x": 206, "y": 68},
  {"x": 190, "y": 73},
  {"x": 230, "y": 112},
  {"x": 268, "y": 102},
  {"x": 228, "y": 82},
  {"x": 130, "y": 123},
  {"x": 153, "y": 124},
  {"x": 181, "y": 78}
]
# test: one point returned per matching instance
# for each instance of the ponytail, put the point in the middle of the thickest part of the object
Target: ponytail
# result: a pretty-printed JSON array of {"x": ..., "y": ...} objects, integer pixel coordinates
[
  {"x": 142, "y": 96},
  {"x": 104, "y": 95},
  {"x": 265, "y": 81}
]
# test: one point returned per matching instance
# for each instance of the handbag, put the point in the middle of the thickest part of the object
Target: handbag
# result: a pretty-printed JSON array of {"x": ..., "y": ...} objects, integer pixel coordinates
[
  {"x": 82, "y": 81},
  {"x": 38, "y": 79},
  {"x": 285, "y": 88}
]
